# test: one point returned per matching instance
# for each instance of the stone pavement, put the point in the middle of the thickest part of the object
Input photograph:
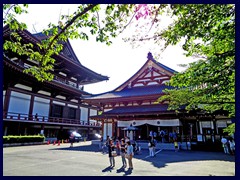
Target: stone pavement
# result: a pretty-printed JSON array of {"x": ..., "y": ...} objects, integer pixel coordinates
[{"x": 85, "y": 159}]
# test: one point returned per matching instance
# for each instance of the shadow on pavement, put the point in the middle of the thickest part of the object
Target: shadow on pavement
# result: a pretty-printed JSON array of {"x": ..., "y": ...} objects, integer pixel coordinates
[
  {"x": 126, "y": 172},
  {"x": 91, "y": 148},
  {"x": 107, "y": 169},
  {"x": 167, "y": 156},
  {"x": 162, "y": 157}
]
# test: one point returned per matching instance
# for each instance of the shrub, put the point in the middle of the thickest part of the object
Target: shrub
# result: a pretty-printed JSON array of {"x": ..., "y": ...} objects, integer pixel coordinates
[{"x": 22, "y": 139}]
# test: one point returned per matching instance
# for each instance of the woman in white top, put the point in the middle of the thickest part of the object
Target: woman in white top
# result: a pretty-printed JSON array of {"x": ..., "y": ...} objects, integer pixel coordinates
[{"x": 232, "y": 145}]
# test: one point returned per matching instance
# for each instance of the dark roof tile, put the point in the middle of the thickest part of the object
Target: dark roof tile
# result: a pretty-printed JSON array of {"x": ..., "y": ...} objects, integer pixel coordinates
[{"x": 130, "y": 92}]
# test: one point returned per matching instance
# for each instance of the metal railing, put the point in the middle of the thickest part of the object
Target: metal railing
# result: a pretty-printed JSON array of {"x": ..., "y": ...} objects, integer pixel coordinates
[
  {"x": 67, "y": 82},
  {"x": 47, "y": 119}
]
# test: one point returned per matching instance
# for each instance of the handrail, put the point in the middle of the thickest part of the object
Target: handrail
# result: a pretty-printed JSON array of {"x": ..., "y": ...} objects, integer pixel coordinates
[
  {"x": 67, "y": 82},
  {"x": 57, "y": 79},
  {"x": 47, "y": 119}
]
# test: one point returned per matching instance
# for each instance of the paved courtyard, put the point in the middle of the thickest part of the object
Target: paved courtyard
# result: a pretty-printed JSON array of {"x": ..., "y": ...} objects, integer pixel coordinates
[{"x": 84, "y": 159}]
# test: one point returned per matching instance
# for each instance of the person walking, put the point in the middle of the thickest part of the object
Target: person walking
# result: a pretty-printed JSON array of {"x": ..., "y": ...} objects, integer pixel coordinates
[
  {"x": 150, "y": 147},
  {"x": 174, "y": 135},
  {"x": 225, "y": 145},
  {"x": 111, "y": 156},
  {"x": 176, "y": 145},
  {"x": 105, "y": 145},
  {"x": 123, "y": 153},
  {"x": 118, "y": 147},
  {"x": 232, "y": 145},
  {"x": 71, "y": 139},
  {"x": 129, "y": 154},
  {"x": 162, "y": 135},
  {"x": 154, "y": 146}
]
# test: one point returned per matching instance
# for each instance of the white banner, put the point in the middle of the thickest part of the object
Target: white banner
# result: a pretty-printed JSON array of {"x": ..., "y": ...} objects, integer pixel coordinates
[{"x": 156, "y": 122}]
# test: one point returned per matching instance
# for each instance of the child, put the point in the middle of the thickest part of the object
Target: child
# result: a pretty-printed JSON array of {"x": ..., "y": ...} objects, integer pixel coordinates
[{"x": 176, "y": 145}]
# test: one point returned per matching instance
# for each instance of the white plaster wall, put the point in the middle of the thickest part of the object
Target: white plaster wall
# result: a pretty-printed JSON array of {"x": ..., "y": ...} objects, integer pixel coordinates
[
  {"x": 107, "y": 130},
  {"x": 4, "y": 92},
  {"x": 41, "y": 106},
  {"x": 93, "y": 112},
  {"x": 84, "y": 114},
  {"x": 19, "y": 103}
]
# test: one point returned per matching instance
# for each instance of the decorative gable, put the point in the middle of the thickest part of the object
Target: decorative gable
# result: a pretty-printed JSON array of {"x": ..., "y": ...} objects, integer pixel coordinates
[{"x": 151, "y": 73}]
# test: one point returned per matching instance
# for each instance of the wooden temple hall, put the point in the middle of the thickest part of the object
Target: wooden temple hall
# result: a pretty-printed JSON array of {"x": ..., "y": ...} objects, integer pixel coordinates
[
  {"x": 52, "y": 107},
  {"x": 133, "y": 105},
  {"x": 55, "y": 107}
]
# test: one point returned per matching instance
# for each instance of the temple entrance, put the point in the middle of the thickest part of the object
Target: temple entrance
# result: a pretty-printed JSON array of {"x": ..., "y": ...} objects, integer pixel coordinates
[{"x": 162, "y": 134}]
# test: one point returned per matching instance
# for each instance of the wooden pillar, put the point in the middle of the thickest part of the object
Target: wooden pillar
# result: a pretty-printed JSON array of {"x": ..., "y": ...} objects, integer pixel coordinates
[
  {"x": 113, "y": 128},
  {"x": 50, "y": 108},
  {"x": 88, "y": 121},
  {"x": 197, "y": 126},
  {"x": 5, "y": 131},
  {"x": 65, "y": 111},
  {"x": 30, "y": 112},
  {"x": 147, "y": 131},
  {"x": 25, "y": 131},
  {"x": 78, "y": 114},
  {"x": 118, "y": 131},
  {"x": 6, "y": 100},
  {"x": 103, "y": 128},
  {"x": 214, "y": 128},
  {"x": 19, "y": 126}
]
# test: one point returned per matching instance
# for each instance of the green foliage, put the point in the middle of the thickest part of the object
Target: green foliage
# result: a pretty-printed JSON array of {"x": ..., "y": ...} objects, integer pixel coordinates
[
  {"x": 79, "y": 25},
  {"x": 230, "y": 129},
  {"x": 208, "y": 30},
  {"x": 23, "y": 139}
]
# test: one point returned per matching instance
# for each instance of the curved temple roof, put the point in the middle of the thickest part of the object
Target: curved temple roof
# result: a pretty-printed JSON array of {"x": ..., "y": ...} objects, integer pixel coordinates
[
  {"x": 125, "y": 91},
  {"x": 67, "y": 55}
]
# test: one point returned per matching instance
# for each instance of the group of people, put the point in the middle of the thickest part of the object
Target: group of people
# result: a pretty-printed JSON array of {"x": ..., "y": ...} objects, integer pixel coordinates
[
  {"x": 153, "y": 142},
  {"x": 228, "y": 145},
  {"x": 125, "y": 149},
  {"x": 163, "y": 136}
]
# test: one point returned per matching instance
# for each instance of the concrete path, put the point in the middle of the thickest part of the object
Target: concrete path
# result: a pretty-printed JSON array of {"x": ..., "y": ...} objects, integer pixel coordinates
[{"x": 84, "y": 159}]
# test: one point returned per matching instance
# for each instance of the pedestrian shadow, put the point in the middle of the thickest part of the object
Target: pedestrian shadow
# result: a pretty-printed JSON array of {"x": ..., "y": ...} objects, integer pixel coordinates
[
  {"x": 108, "y": 169},
  {"x": 126, "y": 172},
  {"x": 164, "y": 157}
]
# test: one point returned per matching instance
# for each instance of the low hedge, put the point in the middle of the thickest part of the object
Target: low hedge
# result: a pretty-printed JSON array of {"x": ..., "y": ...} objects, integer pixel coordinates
[{"x": 22, "y": 139}]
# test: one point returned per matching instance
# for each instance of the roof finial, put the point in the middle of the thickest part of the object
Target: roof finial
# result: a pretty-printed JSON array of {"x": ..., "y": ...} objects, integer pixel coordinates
[{"x": 150, "y": 56}]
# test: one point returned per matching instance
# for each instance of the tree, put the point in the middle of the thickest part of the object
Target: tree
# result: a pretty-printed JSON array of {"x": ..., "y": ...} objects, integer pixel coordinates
[
  {"x": 80, "y": 24},
  {"x": 207, "y": 32}
]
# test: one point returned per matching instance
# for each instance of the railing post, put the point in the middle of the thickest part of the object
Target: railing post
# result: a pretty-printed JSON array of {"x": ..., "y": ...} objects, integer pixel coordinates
[{"x": 18, "y": 116}]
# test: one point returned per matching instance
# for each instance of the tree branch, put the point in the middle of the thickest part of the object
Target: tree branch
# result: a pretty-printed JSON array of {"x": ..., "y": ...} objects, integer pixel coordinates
[
  {"x": 70, "y": 23},
  {"x": 128, "y": 22},
  {"x": 9, "y": 10},
  {"x": 155, "y": 18}
]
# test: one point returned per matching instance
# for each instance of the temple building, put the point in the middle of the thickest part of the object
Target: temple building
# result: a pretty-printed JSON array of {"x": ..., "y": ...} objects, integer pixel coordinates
[
  {"x": 51, "y": 107},
  {"x": 134, "y": 105}
]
